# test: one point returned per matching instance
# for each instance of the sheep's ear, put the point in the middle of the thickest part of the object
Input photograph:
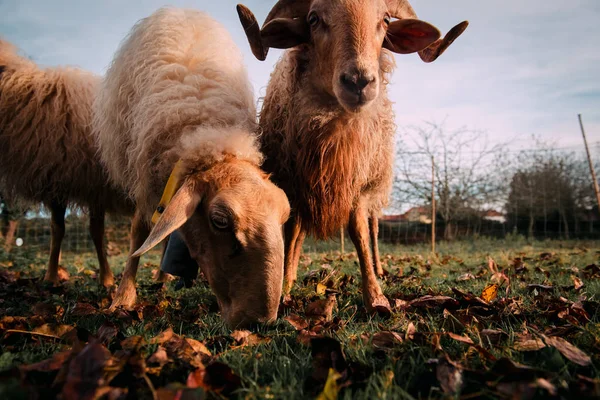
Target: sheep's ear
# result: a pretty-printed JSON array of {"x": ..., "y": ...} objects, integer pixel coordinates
[
  {"x": 406, "y": 36},
  {"x": 178, "y": 211},
  {"x": 284, "y": 33}
]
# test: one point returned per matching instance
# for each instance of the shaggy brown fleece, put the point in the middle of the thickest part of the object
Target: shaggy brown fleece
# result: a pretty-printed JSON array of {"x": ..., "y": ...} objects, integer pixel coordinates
[
  {"x": 47, "y": 151},
  {"x": 324, "y": 158}
]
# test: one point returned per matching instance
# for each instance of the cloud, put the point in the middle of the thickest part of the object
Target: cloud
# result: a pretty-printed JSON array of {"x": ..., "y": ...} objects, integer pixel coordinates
[{"x": 520, "y": 68}]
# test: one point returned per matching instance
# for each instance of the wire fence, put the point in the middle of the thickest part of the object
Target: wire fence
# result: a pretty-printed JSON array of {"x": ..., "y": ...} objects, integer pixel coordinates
[{"x": 541, "y": 193}]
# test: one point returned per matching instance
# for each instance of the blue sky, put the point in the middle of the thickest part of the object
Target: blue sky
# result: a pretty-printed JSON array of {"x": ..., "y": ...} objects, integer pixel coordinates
[{"x": 521, "y": 68}]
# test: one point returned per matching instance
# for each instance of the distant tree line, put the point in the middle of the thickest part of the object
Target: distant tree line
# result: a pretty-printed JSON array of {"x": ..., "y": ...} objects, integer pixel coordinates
[{"x": 541, "y": 192}]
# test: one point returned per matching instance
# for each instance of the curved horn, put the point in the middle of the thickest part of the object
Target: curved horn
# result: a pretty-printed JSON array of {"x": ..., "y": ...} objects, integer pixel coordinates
[
  {"x": 401, "y": 9},
  {"x": 282, "y": 9},
  {"x": 288, "y": 9}
]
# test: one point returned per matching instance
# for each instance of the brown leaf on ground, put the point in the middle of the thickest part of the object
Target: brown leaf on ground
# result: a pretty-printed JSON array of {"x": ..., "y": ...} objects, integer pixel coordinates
[
  {"x": 52, "y": 364},
  {"x": 578, "y": 283},
  {"x": 47, "y": 311},
  {"x": 527, "y": 342},
  {"x": 466, "y": 277},
  {"x": 469, "y": 341},
  {"x": 247, "y": 338},
  {"x": 163, "y": 337},
  {"x": 54, "y": 329},
  {"x": 570, "y": 351},
  {"x": 540, "y": 288},
  {"x": 591, "y": 271},
  {"x": 470, "y": 299},
  {"x": 198, "y": 347},
  {"x": 216, "y": 377},
  {"x": 133, "y": 343},
  {"x": 492, "y": 336},
  {"x": 429, "y": 301},
  {"x": 157, "y": 360},
  {"x": 83, "y": 309},
  {"x": 189, "y": 351},
  {"x": 88, "y": 372},
  {"x": 449, "y": 376},
  {"x": 459, "y": 338},
  {"x": 10, "y": 322},
  {"x": 297, "y": 322},
  {"x": 410, "y": 332},
  {"x": 107, "y": 332},
  {"x": 386, "y": 340},
  {"x": 304, "y": 336},
  {"x": 510, "y": 370},
  {"x": 321, "y": 310}
]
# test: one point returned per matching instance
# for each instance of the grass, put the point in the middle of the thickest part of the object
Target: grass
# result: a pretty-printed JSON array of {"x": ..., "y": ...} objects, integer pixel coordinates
[{"x": 419, "y": 367}]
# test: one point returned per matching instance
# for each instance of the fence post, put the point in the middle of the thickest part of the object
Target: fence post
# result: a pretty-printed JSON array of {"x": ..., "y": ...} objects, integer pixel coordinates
[
  {"x": 587, "y": 149},
  {"x": 432, "y": 205}
]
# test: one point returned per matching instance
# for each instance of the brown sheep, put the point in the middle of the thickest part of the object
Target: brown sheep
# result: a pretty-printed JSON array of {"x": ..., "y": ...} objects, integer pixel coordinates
[
  {"x": 327, "y": 124},
  {"x": 177, "y": 95},
  {"x": 48, "y": 153}
]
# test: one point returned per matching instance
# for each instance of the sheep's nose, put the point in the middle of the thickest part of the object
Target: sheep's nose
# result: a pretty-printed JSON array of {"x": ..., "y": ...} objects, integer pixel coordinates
[{"x": 356, "y": 82}]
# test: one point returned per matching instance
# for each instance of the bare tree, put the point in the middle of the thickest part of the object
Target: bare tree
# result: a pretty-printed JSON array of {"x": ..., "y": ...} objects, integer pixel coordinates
[
  {"x": 549, "y": 188},
  {"x": 467, "y": 171}
]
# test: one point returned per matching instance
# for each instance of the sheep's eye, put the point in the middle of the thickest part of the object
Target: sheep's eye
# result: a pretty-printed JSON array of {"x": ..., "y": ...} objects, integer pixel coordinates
[
  {"x": 313, "y": 19},
  {"x": 220, "y": 221},
  {"x": 387, "y": 19}
]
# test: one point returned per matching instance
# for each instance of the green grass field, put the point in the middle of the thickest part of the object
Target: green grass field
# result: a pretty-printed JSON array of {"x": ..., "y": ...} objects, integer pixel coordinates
[{"x": 539, "y": 337}]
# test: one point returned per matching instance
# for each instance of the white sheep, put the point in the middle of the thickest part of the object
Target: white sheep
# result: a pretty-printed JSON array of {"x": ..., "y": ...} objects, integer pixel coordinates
[{"x": 177, "y": 95}]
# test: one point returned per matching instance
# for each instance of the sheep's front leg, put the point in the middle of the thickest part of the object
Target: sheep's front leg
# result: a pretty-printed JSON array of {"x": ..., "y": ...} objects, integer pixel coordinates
[
  {"x": 126, "y": 293},
  {"x": 358, "y": 228},
  {"x": 294, "y": 237},
  {"x": 57, "y": 230},
  {"x": 374, "y": 231},
  {"x": 106, "y": 276}
]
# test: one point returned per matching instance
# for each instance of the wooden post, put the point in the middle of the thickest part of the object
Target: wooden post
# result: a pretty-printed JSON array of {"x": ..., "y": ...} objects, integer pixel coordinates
[
  {"x": 432, "y": 205},
  {"x": 587, "y": 149},
  {"x": 342, "y": 239}
]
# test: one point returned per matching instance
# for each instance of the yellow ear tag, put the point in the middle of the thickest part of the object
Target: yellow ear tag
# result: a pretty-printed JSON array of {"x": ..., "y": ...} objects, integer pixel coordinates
[{"x": 170, "y": 189}]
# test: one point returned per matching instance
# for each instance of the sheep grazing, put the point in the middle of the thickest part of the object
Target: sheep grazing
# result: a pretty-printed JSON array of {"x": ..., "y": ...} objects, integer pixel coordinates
[
  {"x": 177, "y": 98},
  {"x": 48, "y": 153},
  {"x": 327, "y": 124}
]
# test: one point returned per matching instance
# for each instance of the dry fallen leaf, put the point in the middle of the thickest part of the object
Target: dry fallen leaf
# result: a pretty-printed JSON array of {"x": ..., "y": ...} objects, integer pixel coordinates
[
  {"x": 247, "y": 338},
  {"x": 526, "y": 342},
  {"x": 88, "y": 372},
  {"x": 570, "y": 351},
  {"x": 321, "y": 310},
  {"x": 297, "y": 322},
  {"x": 577, "y": 282},
  {"x": 490, "y": 292},
  {"x": 386, "y": 340},
  {"x": 410, "y": 332},
  {"x": 429, "y": 301},
  {"x": 163, "y": 337}
]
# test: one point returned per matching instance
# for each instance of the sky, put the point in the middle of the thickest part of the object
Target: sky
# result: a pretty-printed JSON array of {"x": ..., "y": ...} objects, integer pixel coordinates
[{"x": 522, "y": 68}]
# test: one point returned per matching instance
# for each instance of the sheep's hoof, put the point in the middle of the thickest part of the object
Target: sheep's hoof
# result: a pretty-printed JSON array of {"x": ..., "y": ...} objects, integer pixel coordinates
[
  {"x": 378, "y": 304},
  {"x": 52, "y": 278},
  {"x": 125, "y": 297},
  {"x": 107, "y": 280}
]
